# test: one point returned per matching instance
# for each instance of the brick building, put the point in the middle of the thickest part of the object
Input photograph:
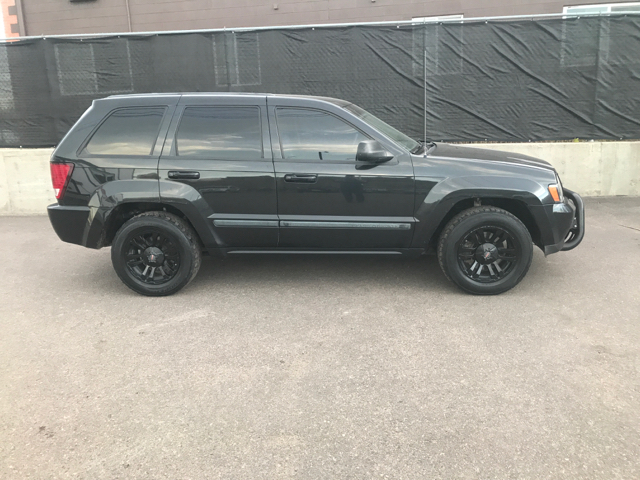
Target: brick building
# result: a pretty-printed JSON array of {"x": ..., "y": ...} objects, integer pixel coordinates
[
  {"x": 49, "y": 17},
  {"x": 12, "y": 25}
]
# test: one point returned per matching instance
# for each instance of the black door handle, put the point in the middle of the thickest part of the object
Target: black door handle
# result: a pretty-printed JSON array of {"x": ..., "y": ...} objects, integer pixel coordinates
[
  {"x": 299, "y": 178},
  {"x": 184, "y": 175}
]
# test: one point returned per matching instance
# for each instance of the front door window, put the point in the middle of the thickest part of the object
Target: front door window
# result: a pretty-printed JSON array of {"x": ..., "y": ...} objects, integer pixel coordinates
[{"x": 312, "y": 135}]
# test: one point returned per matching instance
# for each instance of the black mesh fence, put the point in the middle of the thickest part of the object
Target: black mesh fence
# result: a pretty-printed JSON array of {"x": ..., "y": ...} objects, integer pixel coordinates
[{"x": 538, "y": 80}]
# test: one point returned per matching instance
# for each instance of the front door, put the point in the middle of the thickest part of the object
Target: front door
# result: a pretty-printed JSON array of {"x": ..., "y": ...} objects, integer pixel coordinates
[
  {"x": 218, "y": 155},
  {"x": 328, "y": 201}
]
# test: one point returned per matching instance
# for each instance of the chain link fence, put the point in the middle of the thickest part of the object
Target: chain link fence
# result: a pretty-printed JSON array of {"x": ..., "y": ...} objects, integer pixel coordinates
[{"x": 522, "y": 80}]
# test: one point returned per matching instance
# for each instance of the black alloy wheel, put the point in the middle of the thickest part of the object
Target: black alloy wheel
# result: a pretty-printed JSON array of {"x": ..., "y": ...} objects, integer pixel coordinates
[
  {"x": 152, "y": 257},
  {"x": 156, "y": 253},
  {"x": 487, "y": 254},
  {"x": 485, "y": 250}
]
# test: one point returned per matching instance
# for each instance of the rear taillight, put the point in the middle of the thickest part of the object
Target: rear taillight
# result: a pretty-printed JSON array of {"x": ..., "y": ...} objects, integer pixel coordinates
[{"x": 60, "y": 174}]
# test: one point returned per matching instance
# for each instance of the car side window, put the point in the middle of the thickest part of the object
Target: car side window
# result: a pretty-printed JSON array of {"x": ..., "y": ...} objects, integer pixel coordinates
[
  {"x": 127, "y": 131},
  {"x": 314, "y": 135},
  {"x": 225, "y": 133}
]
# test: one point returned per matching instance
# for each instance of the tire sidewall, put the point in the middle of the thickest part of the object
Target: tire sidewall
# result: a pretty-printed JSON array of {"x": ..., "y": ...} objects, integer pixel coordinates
[
  {"x": 137, "y": 226},
  {"x": 523, "y": 247}
]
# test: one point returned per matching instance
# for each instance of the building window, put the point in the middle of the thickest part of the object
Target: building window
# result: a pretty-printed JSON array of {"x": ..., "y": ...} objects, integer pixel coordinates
[
  {"x": 444, "y": 18},
  {"x": 585, "y": 43},
  {"x": 86, "y": 68},
  {"x": 439, "y": 45},
  {"x": 236, "y": 58},
  {"x": 604, "y": 8}
]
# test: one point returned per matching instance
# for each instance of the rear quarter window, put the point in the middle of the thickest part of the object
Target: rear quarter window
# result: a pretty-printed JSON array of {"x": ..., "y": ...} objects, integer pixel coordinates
[{"x": 127, "y": 131}]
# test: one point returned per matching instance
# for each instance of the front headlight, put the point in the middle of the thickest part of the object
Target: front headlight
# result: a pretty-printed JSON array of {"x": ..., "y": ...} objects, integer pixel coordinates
[{"x": 560, "y": 191}]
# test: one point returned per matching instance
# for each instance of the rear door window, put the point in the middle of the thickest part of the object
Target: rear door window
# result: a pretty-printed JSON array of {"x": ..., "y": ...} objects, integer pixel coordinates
[
  {"x": 225, "y": 133},
  {"x": 127, "y": 131}
]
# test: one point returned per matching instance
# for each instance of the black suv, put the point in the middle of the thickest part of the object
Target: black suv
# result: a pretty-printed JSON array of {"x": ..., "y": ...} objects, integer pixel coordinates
[{"x": 163, "y": 178}]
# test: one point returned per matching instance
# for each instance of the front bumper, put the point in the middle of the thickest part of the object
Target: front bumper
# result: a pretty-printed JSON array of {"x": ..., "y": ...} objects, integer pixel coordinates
[
  {"x": 566, "y": 224},
  {"x": 576, "y": 233}
]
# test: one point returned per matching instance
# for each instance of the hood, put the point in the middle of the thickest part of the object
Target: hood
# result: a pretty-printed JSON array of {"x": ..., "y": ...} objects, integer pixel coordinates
[{"x": 444, "y": 150}]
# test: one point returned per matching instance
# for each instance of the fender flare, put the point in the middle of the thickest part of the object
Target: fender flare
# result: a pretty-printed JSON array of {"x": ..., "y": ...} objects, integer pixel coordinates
[
  {"x": 190, "y": 202},
  {"x": 107, "y": 199},
  {"x": 442, "y": 198}
]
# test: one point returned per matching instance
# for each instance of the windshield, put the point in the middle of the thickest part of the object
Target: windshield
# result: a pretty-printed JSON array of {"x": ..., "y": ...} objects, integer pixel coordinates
[{"x": 395, "y": 135}]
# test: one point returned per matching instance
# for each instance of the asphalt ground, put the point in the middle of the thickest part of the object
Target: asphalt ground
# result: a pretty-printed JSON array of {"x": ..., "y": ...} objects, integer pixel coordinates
[{"x": 270, "y": 367}]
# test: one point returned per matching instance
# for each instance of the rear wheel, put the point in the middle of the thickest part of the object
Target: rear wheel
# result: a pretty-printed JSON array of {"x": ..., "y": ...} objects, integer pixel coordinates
[
  {"x": 485, "y": 250},
  {"x": 156, "y": 254}
]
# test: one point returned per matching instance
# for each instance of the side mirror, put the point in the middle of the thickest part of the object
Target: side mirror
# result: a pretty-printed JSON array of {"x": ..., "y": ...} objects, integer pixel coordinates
[{"x": 371, "y": 151}]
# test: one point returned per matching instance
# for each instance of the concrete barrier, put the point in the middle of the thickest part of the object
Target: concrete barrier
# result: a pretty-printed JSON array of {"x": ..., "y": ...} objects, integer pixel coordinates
[
  {"x": 25, "y": 181},
  {"x": 589, "y": 168},
  {"x": 592, "y": 169}
]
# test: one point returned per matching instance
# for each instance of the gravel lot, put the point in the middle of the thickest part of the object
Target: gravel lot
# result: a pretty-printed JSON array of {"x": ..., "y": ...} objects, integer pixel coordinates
[{"x": 306, "y": 367}]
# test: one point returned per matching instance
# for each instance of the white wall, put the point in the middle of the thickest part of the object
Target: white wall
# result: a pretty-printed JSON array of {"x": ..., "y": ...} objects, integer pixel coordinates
[
  {"x": 25, "y": 181},
  {"x": 589, "y": 168},
  {"x": 592, "y": 169}
]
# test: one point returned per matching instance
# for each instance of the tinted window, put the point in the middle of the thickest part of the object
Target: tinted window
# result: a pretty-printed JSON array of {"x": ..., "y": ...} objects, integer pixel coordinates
[
  {"x": 316, "y": 135},
  {"x": 128, "y": 131},
  {"x": 232, "y": 133}
]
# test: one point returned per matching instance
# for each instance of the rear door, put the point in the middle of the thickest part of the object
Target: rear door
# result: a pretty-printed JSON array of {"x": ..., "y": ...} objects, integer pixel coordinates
[{"x": 220, "y": 147}]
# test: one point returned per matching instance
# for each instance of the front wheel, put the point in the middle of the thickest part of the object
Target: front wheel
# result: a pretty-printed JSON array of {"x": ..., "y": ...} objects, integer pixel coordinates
[
  {"x": 485, "y": 250},
  {"x": 156, "y": 253}
]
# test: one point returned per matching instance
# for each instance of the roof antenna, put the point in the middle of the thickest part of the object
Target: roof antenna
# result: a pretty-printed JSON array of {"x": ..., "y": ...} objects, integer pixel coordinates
[{"x": 424, "y": 84}]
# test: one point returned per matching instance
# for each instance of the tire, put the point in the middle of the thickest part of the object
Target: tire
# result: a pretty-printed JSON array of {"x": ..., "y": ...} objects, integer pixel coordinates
[
  {"x": 485, "y": 250},
  {"x": 156, "y": 254}
]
